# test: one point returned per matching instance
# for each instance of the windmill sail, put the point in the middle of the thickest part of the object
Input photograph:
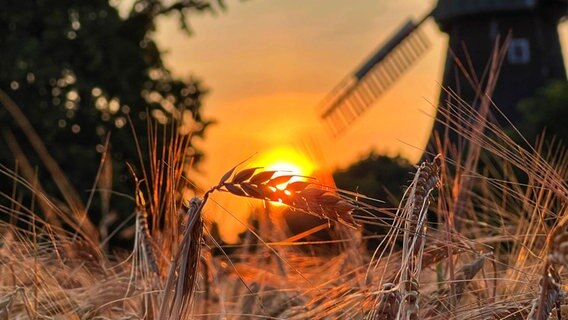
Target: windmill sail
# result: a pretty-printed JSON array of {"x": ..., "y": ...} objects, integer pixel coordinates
[{"x": 357, "y": 93}]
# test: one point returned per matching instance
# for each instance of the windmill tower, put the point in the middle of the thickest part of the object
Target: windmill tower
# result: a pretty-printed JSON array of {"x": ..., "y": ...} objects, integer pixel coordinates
[{"x": 534, "y": 56}]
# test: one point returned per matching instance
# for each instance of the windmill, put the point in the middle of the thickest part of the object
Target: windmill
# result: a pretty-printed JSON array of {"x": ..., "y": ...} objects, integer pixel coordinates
[{"x": 534, "y": 56}]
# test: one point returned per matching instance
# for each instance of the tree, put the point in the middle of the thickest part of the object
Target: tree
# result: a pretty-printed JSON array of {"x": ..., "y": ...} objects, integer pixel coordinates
[
  {"x": 377, "y": 176},
  {"x": 380, "y": 177},
  {"x": 546, "y": 111},
  {"x": 80, "y": 71}
]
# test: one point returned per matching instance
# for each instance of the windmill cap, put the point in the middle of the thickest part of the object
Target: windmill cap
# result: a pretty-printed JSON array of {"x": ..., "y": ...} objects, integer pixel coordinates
[{"x": 451, "y": 9}]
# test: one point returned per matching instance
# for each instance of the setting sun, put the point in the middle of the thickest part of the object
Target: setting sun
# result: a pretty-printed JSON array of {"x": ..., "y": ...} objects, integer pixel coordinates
[{"x": 287, "y": 161}]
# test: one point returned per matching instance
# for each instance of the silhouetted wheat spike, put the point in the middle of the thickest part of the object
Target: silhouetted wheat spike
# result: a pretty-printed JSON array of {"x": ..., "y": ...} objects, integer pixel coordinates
[
  {"x": 182, "y": 278},
  {"x": 549, "y": 295},
  {"x": 414, "y": 214},
  {"x": 550, "y": 282},
  {"x": 304, "y": 196},
  {"x": 466, "y": 273},
  {"x": 143, "y": 239},
  {"x": 388, "y": 304},
  {"x": 6, "y": 303},
  {"x": 145, "y": 263},
  {"x": 463, "y": 277},
  {"x": 558, "y": 246}
]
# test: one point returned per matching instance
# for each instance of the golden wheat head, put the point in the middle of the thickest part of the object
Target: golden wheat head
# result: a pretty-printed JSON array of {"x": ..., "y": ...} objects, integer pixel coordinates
[{"x": 304, "y": 196}]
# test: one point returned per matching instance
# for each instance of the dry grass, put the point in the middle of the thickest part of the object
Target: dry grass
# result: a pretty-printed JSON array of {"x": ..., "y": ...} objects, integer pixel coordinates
[{"x": 502, "y": 254}]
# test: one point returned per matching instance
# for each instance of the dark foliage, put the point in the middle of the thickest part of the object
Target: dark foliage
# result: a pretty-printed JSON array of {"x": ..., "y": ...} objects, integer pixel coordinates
[
  {"x": 377, "y": 176},
  {"x": 79, "y": 71},
  {"x": 546, "y": 111},
  {"x": 380, "y": 177}
]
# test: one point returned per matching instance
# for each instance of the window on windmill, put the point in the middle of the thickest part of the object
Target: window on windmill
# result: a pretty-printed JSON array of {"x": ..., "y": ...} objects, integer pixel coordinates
[{"x": 519, "y": 51}]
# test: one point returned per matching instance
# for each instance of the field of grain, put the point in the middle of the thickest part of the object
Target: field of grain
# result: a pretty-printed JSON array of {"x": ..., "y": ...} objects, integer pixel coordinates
[{"x": 481, "y": 233}]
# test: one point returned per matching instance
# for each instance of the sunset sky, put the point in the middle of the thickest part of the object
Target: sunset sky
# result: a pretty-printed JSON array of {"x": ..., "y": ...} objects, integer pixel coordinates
[{"x": 269, "y": 63}]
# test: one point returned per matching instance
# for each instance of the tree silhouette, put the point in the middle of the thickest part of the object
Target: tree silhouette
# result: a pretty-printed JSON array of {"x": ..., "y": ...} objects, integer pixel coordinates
[
  {"x": 79, "y": 71},
  {"x": 546, "y": 111},
  {"x": 380, "y": 177},
  {"x": 377, "y": 176}
]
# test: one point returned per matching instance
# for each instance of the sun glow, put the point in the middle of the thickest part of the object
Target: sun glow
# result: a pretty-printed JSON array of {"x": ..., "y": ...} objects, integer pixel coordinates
[{"x": 287, "y": 161}]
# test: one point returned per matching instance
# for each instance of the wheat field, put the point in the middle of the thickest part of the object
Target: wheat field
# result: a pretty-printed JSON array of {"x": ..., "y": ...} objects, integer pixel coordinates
[{"x": 480, "y": 233}]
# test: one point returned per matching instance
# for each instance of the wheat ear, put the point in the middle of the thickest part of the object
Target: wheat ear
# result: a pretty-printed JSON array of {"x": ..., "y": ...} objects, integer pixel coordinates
[
  {"x": 182, "y": 277},
  {"x": 6, "y": 304},
  {"x": 549, "y": 294},
  {"x": 445, "y": 298},
  {"x": 145, "y": 262},
  {"x": 550, "y": 282},
  {"x": 414, "y": 214},
  {"x": 389, "y": 303},
  {"x": 308, "y": 197}
]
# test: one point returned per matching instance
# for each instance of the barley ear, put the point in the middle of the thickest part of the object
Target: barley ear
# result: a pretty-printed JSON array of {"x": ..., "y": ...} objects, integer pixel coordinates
[
  {"x": 389, "y": 303},
  {"x": 5, "y": 305},
  {"x": 413, "y": 214},
  {"x": 304, "y": 196},
  {"x": 549, "y": 294},
  {"x": 182, "y": 277},
  {"x": 550, "y": 282},
  {"x": 558, "y": 246}
]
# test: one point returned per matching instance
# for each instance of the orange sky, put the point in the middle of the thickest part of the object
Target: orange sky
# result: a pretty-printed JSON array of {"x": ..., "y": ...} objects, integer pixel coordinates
[{"x": 268, "y": 63}]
